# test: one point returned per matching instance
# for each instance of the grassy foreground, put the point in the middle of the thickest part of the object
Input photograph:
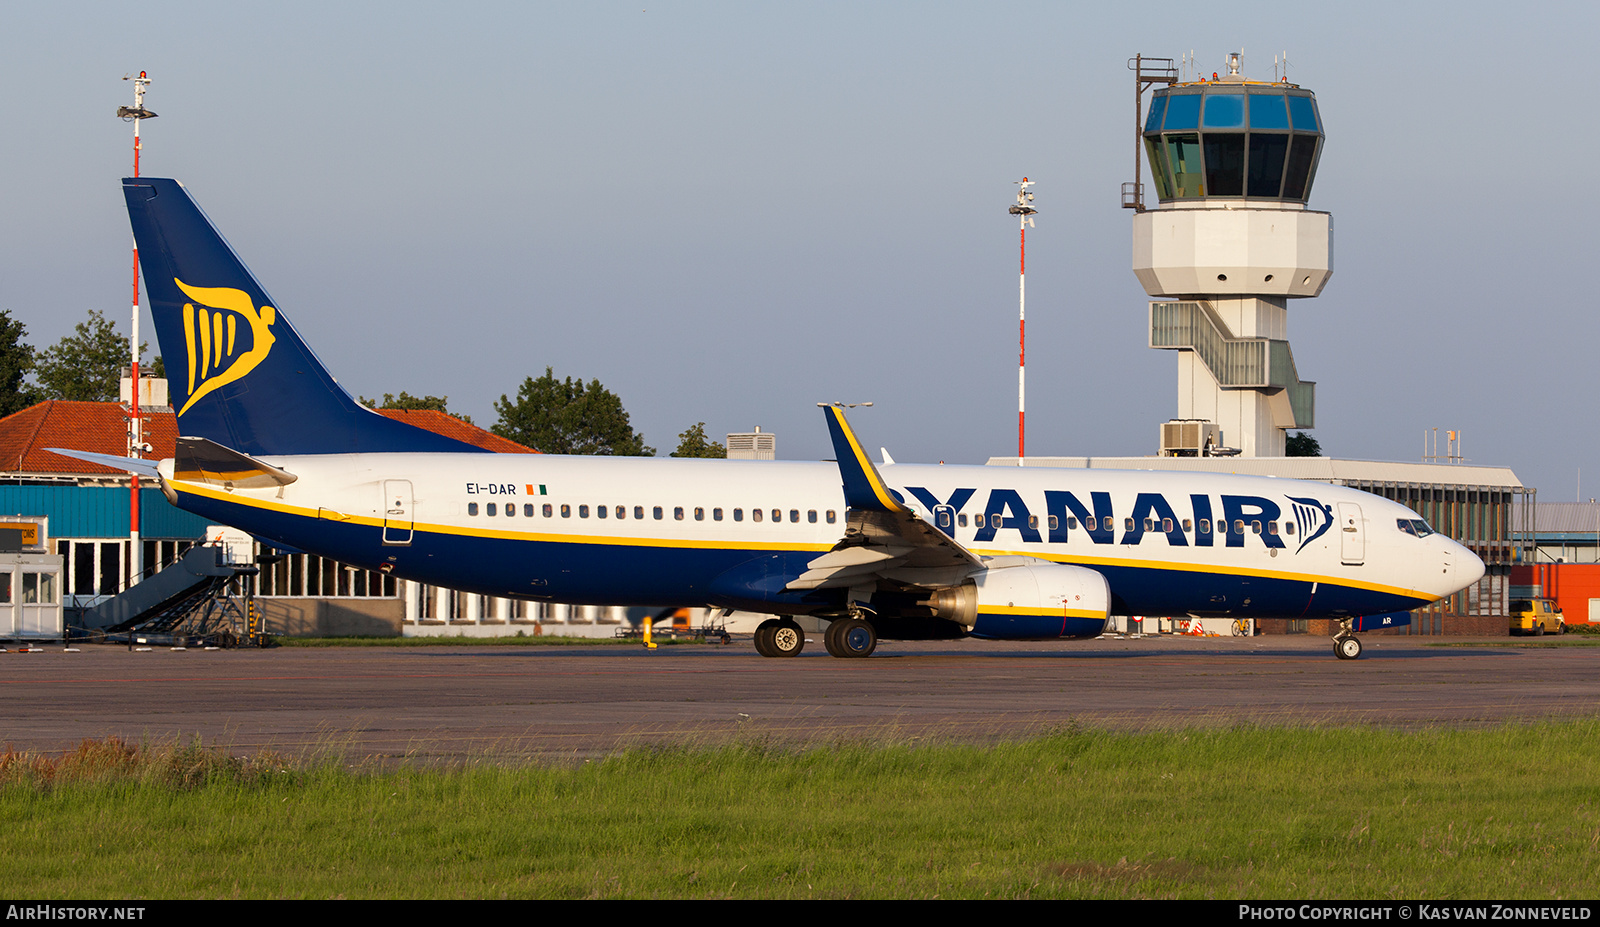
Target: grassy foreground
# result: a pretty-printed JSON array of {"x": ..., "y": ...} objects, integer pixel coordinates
[{"x": 1509, "y": 812}]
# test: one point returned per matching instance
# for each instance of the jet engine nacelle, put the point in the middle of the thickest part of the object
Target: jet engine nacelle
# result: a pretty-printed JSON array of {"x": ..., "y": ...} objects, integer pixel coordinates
[{"x": 1020, "y": 598}]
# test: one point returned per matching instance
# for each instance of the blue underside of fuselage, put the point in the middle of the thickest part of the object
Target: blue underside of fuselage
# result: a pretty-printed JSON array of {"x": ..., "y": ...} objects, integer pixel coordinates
[{"x": 754, "y": 579}]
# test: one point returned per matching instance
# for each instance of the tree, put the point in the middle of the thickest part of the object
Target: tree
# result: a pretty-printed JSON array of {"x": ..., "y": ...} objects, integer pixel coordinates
[
  {"x": 568, "y": 417},
  {"x": 16, "y": 362},
  {"x": 693, "y": 443},
  {"x": 407, "y": 401},
  {"x": 87, "y": 365},
  {"x": 1301, "y": 444}
]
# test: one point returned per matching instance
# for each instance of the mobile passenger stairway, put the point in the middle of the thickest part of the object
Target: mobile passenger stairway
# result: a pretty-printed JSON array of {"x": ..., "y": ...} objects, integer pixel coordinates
[{"x": 200, "y": 599}]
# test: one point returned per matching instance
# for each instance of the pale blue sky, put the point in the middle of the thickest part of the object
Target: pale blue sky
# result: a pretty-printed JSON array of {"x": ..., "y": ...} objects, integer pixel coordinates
[{"x": 727, "y": 212}]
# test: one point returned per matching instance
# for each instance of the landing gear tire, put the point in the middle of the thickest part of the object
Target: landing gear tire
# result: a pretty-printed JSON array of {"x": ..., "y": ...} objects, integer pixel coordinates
[
  {"x": 1347, "y": 648},
  {"x": 786, "y": 640},
  {"x": 851, "y": 638},
  {"x": 764, "y": 633}
]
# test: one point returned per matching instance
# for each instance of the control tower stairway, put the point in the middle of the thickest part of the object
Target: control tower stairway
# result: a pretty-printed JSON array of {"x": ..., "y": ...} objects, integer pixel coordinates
[
  {"x": 1236, "y": 363},
  {"x": 199, "y": 599}
]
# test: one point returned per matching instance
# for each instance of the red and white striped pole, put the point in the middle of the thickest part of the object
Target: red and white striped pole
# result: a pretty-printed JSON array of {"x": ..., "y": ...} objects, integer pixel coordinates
[
  {"x": 1024, "y": 212},
  {"x": 135, "y": 421}
]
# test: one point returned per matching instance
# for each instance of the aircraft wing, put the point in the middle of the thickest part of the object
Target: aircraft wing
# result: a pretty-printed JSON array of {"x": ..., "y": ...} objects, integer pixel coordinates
[{"x": 884, "y": 538}]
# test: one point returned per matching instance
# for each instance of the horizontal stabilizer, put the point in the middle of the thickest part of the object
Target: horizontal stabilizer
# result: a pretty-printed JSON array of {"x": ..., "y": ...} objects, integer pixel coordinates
[
  {"x": 201, "y": 461},
  {"x": 134, "y": 465}
]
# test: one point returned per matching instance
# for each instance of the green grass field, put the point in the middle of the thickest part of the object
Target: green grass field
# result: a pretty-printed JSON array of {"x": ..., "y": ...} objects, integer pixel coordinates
[{"x": 1508, "y": 812}]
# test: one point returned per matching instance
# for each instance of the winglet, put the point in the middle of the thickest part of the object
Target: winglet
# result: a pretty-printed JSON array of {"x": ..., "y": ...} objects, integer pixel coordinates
[{"x": 863, "y": 487}]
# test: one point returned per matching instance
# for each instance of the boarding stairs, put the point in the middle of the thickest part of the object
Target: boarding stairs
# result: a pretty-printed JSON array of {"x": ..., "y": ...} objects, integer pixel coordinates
[{"x": 200, "y": 599}]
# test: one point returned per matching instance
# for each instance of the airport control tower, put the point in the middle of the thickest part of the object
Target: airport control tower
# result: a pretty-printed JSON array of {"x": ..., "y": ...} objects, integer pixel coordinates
[{"x": 1230, "y": 243}]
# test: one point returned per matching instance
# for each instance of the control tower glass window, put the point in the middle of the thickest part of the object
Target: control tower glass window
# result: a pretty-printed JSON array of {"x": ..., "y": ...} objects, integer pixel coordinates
[{"x": 1233, "y": 140}]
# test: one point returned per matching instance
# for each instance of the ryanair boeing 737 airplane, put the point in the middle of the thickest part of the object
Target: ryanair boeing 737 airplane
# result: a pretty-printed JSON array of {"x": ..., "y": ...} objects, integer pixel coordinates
[{"x": 272, "y": 445}]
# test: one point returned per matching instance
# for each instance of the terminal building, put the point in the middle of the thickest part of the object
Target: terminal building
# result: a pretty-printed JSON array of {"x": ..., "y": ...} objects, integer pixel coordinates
[{"x": 1229, "y": 246}]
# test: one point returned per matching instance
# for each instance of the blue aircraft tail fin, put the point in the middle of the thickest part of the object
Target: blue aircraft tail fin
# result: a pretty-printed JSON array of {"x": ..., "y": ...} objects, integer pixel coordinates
[{"x": 237, "y": 371}]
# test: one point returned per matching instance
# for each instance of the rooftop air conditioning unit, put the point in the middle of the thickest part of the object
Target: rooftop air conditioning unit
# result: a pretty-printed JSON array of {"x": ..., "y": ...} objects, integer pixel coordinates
[{"x": 1187, "y": 437}]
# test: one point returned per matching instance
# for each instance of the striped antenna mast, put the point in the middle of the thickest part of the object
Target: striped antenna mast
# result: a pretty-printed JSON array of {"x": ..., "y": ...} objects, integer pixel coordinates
[
  {"x": 135, "y": 114},
  {"x": 1024, "y": 212}
]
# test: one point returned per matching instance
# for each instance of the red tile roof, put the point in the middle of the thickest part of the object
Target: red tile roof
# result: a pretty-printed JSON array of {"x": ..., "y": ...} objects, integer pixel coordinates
[
  {"x": 102, "y": 428},
  {"x": 451, "y": 427},
  {"x": 98, "y": 427}
]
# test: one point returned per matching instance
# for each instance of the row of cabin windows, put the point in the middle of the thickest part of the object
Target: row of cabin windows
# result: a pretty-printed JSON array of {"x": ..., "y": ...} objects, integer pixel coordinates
[
  {"x": 1165, "y": 525},
  {"x": 548, "y": 510}
]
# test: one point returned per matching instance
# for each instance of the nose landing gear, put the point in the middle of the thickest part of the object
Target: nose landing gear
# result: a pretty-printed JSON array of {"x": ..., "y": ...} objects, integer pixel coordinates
[{"x": 1346, "y": 646}]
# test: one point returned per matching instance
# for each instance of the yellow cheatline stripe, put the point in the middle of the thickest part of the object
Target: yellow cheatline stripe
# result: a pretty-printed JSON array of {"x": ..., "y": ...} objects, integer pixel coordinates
[
  {"x": 1076, "y": 560},
  {"x": 865, "y": 463},
  {"x": 459, "y": 531},
  {"x": 1039, "y": 613}
]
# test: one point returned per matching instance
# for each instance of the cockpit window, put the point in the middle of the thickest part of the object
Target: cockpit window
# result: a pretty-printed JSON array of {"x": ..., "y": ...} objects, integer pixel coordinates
[{"x": 1414, "y": 526}]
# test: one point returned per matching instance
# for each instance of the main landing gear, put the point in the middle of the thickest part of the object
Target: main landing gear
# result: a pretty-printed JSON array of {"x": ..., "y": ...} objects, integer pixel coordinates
[
  {"x": 1346, "y": 646},
  {"x": 851, "y": 637},
  {"x": 779, "y": 637}
]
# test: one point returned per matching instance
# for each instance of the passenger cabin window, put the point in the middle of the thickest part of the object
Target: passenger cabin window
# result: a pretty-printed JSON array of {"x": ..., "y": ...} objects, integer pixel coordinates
[
  {"x": 600, "y": 511},
  {"x": 656, "y": 512},
  {"x": 699, "y": 513},
  {"x": 489, "y": 508},
  {"x": 472, "y": 508},
  {"x": 794, "y": 516},
  {"x": 638, "y": 512},
  {"x": 716, "y": 514},
  {"x": 811, "y": 516},
  {"x": 830, "y": 516},
  {"x": 961, "y": 520},
  {"x": 677, "y": 513},
  {"x": 622, "y": 511},
  {"x": 738, "y": 514},
  {"x": 755, "y": 514},
  {"x": 583, "y": 511},
  {"x": 527, "y": 510}
]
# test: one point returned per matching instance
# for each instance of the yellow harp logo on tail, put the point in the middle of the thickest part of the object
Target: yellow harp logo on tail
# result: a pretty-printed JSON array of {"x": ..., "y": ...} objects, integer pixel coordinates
[{"x": 218, "y": 352}]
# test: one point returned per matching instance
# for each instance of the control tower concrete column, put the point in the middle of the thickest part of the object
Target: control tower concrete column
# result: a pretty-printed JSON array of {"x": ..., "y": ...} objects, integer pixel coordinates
[{"x": 1230, "y": 243}]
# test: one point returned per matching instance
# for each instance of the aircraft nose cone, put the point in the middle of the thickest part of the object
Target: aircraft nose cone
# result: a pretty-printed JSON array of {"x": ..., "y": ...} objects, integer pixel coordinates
[{"x": 1466, "y": 566}]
